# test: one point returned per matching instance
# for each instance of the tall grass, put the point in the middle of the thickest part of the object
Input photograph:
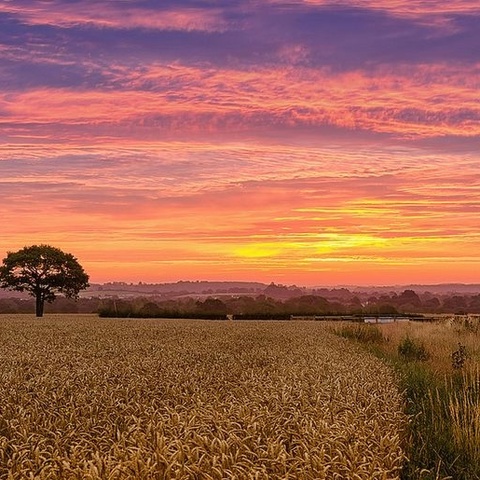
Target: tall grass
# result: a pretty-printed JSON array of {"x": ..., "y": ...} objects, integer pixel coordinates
[
  {"x": 445, "y": 425},
  {"x": 364, "y": 333},
  {"x": 464, "y": 409},
  {"x": 438, "y": 366}
]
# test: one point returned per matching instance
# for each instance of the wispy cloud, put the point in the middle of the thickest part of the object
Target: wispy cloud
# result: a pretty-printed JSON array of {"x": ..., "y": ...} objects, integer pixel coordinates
[
  {"x": 424, "y": 101},
  {"x": 116, "y": 15}
]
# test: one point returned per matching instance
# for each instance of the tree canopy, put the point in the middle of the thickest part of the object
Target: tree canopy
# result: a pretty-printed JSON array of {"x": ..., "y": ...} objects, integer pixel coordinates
[{"x": 43, "y": 271}]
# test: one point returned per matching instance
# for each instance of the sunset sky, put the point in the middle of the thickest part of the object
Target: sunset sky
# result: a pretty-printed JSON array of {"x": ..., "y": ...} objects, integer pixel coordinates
[{"x": 296, "y": 141}]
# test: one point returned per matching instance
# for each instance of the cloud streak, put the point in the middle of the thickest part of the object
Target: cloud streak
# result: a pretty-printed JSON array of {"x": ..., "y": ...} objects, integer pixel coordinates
[{"x": 114, "y": 15}]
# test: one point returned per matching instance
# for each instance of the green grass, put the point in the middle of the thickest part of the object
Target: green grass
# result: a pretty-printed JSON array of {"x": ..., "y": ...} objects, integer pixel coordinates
[{"x": 443, "y": 441}]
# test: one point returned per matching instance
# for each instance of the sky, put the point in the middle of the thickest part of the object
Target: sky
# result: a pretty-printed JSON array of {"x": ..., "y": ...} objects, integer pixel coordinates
[{"x": 304, "y": 142}]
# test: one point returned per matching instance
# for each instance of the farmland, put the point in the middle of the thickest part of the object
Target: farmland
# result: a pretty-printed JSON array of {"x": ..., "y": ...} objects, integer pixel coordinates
[{"x": 90, "y": 398}]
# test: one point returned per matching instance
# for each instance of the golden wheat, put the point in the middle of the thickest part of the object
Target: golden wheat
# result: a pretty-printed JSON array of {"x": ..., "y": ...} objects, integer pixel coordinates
[{"x": 88, "y": 398}]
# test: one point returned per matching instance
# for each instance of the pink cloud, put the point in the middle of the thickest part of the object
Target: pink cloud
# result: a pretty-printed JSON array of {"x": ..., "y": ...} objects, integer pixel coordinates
[
  {"x": 116, "y": 15},
  {"x": 407, "y": 8},
  {"x": 425, "y": 101}
]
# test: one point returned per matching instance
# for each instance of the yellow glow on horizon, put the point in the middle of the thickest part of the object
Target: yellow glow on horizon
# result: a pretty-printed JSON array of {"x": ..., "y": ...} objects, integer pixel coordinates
[{"x": 259, "y": 250}]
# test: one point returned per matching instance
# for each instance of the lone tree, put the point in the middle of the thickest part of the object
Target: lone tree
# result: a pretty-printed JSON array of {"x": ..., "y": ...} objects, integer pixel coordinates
[{"x": 43, "y": 271}]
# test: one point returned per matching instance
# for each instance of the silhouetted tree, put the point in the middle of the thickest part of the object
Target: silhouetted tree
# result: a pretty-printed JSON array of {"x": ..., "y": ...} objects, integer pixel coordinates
[
  {"x": 474, "y": 304},
  {"x": 211, "y": 306},
  {"x": 43, "y": 271},
  {"x": 386, "y": 309},
  {"x": 307, "y": 305},
  {"x": 408, "y": 300},
  {"x": 431, "y": 304},
  {"x": 150, "y": 309},
  {"x": 455, "y": 304}
]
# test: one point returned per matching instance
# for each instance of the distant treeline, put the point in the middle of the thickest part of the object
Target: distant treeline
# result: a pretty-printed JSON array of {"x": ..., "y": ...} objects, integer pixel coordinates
[
  {"x": 264, "y": 307},
  {"x": 260, "y": 306},
  {"x": 209, "y": 309}
]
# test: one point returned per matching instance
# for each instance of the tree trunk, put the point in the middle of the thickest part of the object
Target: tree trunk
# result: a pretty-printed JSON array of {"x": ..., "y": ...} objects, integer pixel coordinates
[{"x": 39, "y": 303}]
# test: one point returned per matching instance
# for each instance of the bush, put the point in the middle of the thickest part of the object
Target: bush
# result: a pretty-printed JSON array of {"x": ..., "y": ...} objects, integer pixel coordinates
[
  {"x": 459, "y": 357},
  {"x": 410, "y": 350}
]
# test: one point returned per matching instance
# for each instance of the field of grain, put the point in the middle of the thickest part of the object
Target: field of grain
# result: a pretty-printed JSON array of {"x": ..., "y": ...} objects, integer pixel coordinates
[{"x": 89, "y": 398}]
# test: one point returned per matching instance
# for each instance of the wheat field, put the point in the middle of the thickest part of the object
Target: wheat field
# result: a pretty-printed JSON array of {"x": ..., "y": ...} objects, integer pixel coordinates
[{"x": 89, "y": 398}]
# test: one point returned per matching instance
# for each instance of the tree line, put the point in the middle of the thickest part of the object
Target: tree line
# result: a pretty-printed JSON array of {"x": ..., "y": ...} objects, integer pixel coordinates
[
  {"x": 259, "y": 306},
  {"x": 262, "y": 306}
]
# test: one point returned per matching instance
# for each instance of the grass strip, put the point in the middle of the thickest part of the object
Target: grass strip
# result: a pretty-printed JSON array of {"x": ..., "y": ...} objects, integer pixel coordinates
[{"x": 443, "y": 440}]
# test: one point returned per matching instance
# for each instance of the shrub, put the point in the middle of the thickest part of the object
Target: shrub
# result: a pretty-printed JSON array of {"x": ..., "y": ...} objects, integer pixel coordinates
[
  {"x": 459, "y": 357},
  {"x": 410, "y": 350}
]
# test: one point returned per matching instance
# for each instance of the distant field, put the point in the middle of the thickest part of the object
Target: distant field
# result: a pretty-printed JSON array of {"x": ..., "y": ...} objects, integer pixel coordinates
[{"x": 89, "y": 398}]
